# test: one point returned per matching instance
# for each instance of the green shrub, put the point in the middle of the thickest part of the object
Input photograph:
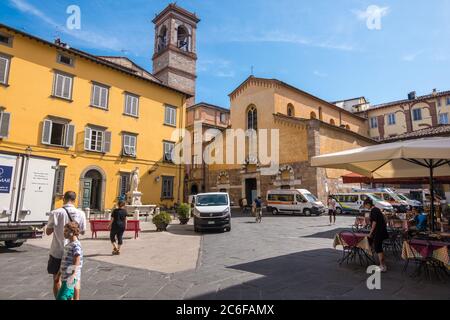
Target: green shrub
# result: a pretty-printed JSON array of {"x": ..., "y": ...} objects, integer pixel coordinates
[
  {"x": 183, "y": 211},
  {"x": 162, "y": 218}
]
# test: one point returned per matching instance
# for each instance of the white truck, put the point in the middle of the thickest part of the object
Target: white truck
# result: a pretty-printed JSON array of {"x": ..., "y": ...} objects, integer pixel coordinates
[{"x": 26, "y": 196}]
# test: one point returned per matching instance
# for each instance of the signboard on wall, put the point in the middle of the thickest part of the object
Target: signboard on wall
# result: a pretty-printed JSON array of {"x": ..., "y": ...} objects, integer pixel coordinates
[{"x": 5, "y": 179}]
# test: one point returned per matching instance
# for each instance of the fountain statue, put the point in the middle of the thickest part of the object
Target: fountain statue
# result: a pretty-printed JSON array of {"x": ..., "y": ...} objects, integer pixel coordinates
[
  {"x": 135, "y": 206},
  {"x": 134, "y": 195}
]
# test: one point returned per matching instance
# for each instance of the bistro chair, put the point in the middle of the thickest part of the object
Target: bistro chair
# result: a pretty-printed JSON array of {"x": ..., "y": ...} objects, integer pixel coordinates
[{"x": 394, "y": 242}]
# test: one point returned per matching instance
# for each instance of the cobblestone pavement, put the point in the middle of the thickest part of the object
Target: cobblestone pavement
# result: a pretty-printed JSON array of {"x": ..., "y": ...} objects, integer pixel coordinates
[{"x": 282, "y": 258}]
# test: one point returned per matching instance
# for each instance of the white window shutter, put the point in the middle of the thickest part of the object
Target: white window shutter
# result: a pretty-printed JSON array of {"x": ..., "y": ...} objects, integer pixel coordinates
[
  {"x": 128, "y": 104},
  {"x": 58, "y": 85},
  {"x": 5, "y": 118},
  {"x": 3, "y": 69},
  {"x": 107, "y": 142},
  {"x": 133, "y": 146},
  {"x": 87, "y": 138},
  {"x": 95, "y": 96},
  {"x": 46, "y": 132},
  {"x": 70, "y": 135},
  {"x": 104, "y": 97},
  {"x": 126, "y": 145},
  {"x": 135, "y": 106},
  {"x": 67, "y": 87}
]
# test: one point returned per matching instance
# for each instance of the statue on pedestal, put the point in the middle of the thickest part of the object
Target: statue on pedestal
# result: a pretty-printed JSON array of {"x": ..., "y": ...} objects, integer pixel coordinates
[
  {"x": 134, "y": 194},
  {"x": 134, "y": 180}
]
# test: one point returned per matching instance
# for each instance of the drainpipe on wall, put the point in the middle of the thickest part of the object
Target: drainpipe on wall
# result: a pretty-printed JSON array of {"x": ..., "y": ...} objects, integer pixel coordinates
[{"x": 181, "y": 179}]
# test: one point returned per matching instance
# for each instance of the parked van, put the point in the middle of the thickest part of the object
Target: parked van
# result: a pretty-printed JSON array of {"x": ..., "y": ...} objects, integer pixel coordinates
[
  {"x": 390, "y": 196},
  {"x": 299, "y": 201},
  {"x": 212, "y": 211},
  {"x": 353, "y": 202},
  {"x": 412, "y": 203}
]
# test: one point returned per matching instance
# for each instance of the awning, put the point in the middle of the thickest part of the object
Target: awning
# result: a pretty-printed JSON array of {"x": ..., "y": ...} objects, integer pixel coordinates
[{"x": 405, "y": 159}]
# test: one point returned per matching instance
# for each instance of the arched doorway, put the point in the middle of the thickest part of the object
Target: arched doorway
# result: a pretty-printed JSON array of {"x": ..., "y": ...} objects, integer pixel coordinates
[
  {"x": 194, "y": 189},
  {"x": 92, "y": 189}
]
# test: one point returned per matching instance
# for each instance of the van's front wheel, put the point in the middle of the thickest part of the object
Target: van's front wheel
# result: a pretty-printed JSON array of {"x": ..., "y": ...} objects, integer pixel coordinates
[
  {"x": 13, "y": 244},
  {"x": 307, "y": 212}
]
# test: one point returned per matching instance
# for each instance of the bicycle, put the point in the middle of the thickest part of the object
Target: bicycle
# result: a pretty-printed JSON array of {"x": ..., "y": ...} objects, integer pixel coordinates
[{"x": 258, "y": 215}]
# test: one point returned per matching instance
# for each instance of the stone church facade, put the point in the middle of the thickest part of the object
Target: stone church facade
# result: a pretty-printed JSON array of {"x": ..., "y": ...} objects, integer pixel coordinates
[{"x": 308, "y": 126}]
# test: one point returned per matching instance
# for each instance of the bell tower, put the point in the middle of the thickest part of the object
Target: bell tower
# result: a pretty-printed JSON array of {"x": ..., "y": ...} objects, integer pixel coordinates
[{"x": 175, "y": 52}]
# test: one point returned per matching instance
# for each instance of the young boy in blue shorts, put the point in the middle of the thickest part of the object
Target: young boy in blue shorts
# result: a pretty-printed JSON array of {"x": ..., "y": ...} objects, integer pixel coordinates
[{"x": 71, "y": 263}]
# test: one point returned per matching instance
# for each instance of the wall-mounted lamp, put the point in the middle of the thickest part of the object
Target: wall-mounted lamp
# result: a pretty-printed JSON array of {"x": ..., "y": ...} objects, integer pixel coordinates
[
  {"x": 157, "y": 179},
  {"x": 28, "y": 150}
]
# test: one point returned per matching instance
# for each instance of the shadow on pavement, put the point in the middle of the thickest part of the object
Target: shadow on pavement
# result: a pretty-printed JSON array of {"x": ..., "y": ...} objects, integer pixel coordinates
[
  {"x": 330, "y": 234},
  {"x": 317, "y": 275},
  {"x": 4, "y": 249}
]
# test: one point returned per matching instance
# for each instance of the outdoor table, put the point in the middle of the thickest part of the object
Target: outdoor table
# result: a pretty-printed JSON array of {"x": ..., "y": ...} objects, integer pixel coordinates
[
  {"x": 355, "y": 245},
  {"x": 428, "y": 253}
]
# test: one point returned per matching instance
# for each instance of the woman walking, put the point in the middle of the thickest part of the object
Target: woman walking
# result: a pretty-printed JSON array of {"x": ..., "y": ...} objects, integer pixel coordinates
[{"x": 118, "y": 226}]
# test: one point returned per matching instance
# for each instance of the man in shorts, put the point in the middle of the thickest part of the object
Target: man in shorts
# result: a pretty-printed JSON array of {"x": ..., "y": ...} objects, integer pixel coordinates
[
  {"x": 378, "y": 232},
  {"x": 56, "y": 222}
]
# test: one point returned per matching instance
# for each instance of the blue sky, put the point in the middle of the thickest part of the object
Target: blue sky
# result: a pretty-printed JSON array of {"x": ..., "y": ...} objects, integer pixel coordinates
[{"x": 323, "y": 47}]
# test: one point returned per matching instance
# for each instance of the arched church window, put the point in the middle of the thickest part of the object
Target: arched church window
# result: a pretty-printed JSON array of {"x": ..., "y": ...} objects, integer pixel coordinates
[
  {"x": 313, "y": 115},
  {"x": 290, "y": 110},
  {"x": 252, "y": 118},
  {"x": 332, "y": 122},
  {"x": 162, "y": 39},
  {"x": 183, "y": 39}
]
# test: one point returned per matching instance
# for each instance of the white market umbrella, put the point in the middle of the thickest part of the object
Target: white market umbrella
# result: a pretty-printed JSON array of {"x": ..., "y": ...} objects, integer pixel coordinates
[{"x": 405, "y": 159}]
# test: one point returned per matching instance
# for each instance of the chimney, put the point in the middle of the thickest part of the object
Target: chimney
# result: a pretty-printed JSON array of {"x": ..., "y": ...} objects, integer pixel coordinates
[
  {"x": 434, "y": 92},
  {"x": 412, "y": 95}
]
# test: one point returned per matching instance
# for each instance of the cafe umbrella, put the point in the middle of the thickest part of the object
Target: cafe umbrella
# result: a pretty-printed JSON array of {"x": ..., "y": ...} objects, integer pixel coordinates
[{"x": 428, "y": 157}]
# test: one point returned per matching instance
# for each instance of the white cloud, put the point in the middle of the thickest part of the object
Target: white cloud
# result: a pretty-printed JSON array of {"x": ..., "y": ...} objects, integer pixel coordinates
[
  {"x": 410, "y": 57},
  {"x": 220, "y": 68},
  {"x": 88, "y": 37},
  {"x": 290, "y": 38},
  {"x": 320, "y": 74},
  {"x": 371, "y": 11}
]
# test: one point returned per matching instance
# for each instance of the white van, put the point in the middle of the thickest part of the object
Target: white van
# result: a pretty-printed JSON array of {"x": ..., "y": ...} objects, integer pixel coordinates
[
  {"x": 354, "y": 202},
  {"x": 298, "y": 201},
  {"x": 212, "y": 211}
]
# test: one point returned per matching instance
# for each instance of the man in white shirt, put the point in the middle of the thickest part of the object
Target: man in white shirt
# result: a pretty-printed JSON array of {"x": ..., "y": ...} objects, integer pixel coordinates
[{"x": 56, "y": 222}]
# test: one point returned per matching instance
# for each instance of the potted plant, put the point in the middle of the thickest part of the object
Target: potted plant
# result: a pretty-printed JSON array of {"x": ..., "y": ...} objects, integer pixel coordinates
[
  {"x": 161, "y": 221},
  {"x": 183, "y": 212}
]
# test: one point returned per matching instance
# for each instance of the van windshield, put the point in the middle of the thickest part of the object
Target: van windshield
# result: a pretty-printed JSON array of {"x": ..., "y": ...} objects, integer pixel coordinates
[
  {"x": 212, "y": 200},
  {"x": 375, "y": 198},
  {"x": 403, "y": 197},
  {"x": 310, "y": 197}
]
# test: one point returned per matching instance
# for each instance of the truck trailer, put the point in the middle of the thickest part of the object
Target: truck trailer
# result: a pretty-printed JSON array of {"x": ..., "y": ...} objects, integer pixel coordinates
[{"x": 26, "y": 196}]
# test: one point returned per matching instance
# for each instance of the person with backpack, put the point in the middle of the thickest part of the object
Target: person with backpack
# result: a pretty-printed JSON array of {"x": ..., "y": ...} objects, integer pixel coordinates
[{"x": 56, "y": 222}]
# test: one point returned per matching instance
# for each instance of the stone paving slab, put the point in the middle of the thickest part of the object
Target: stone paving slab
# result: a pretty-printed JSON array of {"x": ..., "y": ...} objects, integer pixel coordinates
[
  {"x": 170, "y": 252},
  {"x": 283, "y": 258}
]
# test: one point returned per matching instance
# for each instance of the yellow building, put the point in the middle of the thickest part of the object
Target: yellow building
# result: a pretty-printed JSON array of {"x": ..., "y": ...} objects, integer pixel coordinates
[
  {"x": 100, "y": 117},
  {"x": 389, "y": 120}
]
